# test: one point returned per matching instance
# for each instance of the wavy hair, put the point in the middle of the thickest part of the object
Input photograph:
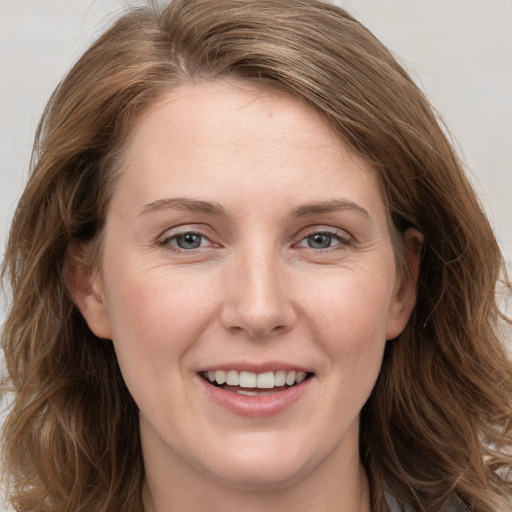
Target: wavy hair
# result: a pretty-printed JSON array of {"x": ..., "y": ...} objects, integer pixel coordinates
[{"x": 439, "y": 420}]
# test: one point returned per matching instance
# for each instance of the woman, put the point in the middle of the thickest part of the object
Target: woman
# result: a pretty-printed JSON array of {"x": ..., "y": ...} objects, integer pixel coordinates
[{"x": 240, "y": 280}]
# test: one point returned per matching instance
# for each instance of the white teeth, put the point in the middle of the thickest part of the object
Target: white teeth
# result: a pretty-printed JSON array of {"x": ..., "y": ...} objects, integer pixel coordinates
[
  {"x": 247, "y": 393},
  {"x": 266, "y": 380},
  {"x": 280, "y": 378},
  {"x": 290, "y": 378},
  {"x": 247, "y": 380},
  {"x": 300, "y": 377},
  {"x": 232, "y": 378}
]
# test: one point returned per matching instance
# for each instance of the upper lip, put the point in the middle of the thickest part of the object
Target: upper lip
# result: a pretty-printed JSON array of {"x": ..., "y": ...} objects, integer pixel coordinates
[{"x": 255, "y": 367}]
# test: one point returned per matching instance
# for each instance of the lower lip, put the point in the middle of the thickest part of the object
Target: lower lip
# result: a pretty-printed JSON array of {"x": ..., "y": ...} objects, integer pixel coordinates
[{"x": 260, "y": 406}]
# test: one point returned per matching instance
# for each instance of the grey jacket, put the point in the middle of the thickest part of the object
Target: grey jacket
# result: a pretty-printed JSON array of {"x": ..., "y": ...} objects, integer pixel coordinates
[{"x": 454, "y": 504}]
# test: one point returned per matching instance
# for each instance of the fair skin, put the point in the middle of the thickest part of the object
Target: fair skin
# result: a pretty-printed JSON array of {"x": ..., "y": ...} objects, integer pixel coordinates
[{"x": 243, "y": 236}]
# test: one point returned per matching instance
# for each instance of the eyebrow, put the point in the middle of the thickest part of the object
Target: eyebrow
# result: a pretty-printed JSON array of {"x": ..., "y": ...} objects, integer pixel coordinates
[
  {"x": 213, "y": 208},
  {"x": 328, "y": 207},
  {"x": 189, "y": 205}
]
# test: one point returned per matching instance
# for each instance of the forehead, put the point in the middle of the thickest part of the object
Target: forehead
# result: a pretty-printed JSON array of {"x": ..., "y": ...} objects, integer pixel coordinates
[
  {"x": 206, "y": 108},
  {"x": 248, "y": 138}
]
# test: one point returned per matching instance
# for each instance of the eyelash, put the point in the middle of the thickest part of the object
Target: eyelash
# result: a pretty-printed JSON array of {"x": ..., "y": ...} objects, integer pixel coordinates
[
  {"x": 343, "y": 240},
  {"x": 167, "y": 241}
]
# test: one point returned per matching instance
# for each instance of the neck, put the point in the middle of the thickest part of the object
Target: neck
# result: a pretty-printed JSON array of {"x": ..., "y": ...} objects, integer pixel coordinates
[{"x": 342, "y": 490}]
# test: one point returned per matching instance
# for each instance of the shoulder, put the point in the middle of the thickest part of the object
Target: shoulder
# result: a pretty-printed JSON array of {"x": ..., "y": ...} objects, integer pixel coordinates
[{"x": 453, "y": 504}]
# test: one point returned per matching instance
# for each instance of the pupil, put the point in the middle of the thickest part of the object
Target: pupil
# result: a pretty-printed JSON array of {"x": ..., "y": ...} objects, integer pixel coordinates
[
  {"x": 189, "y": 241},
  {"x": 320, "y": 240}
]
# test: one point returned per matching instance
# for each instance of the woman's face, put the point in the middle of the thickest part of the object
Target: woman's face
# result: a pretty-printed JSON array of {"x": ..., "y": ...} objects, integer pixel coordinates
[{"x": 245, "y": 242}]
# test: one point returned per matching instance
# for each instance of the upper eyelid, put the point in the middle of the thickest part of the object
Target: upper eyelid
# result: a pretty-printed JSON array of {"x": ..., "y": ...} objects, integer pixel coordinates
[
  {"x": 345, "y": 239},
  {"x": 172, "y": 233},
  {"x": 166, "y": 240},
  {"x": 182, "y": 230},
  {"x": 182, "y": 233},
  {"x": 310, "y": 230}
]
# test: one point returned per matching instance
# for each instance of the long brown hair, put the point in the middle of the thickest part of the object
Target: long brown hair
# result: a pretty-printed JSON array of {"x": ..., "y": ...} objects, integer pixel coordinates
[{"x": 439, "y": 420}]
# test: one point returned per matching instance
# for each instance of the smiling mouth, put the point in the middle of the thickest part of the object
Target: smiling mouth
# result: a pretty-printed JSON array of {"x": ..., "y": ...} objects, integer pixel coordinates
[{"x": 255, "y": 384}]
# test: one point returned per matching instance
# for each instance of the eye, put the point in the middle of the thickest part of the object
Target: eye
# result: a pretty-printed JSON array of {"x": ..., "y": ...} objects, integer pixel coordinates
[
  {"x": 323, "y": 240},
  {"x": 187, "y": 241}
]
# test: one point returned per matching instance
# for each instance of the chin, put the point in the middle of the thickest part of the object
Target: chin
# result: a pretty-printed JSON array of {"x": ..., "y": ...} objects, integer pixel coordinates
[
  {"x": 262, "y": 480},
  {"x": 257, "y": 473}
]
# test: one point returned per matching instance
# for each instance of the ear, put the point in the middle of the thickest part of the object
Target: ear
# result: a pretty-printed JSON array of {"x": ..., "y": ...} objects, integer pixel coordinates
[
  {"x": 405, "y": 291},
  {"x": 86, "y": 289}
]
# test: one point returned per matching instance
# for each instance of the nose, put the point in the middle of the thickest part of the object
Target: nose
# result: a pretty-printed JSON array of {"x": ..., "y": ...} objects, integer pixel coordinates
[{"x": 257, "y": 297}]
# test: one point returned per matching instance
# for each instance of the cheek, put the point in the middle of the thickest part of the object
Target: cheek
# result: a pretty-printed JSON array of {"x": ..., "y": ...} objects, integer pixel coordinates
[
  {"x": 349, "y": 318},
  {"x": 155, "y": 317},
  {"x": 151, "y": 299},
  {"x": 351, "y": 306},
  {"x": 155, "y": 320},
  {"x": 346, "y": 321}
]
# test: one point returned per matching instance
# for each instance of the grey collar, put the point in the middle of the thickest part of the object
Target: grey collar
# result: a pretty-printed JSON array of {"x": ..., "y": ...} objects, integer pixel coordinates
[{"x": 453, "y": 504}]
